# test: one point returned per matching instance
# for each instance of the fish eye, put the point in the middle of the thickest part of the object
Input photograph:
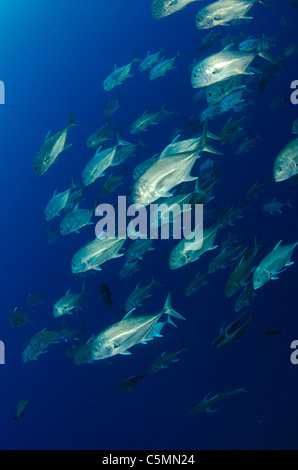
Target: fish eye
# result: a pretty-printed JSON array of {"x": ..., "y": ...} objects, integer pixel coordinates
[{"x": 280, "y": 169}]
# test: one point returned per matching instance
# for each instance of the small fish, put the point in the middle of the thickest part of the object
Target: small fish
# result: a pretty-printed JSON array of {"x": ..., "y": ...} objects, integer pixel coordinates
[
  {"x": 22, "y": 408},
  {"x": 119, "y": 74},
  {"x": 149, "y": 61},
  {"x": 111, "y": 184},
  {"x": 245, "y": 297},
  {"x": 18, "y": 318},
  {"x": 196, "y": 283},
  {"x": 52, "y": 235},
  {"x": 112, "y": 105},
  {"x": 278, "y": 102},
  {"x": 53, "y": 146},
  {"x": 163, "y": 66},
  {"x": 129, "y": 268},
  {"x": 275, "y": 206},
  {"x": 131, "y": 382},
  {"x": 255, "y": 190},
  {"x": 207, "y": 403},
  {"x": 35, "y": 299},
  {"x": 270, "y": 332},
  {"x": 68, "y": 303},
  {"x": 100, "y": 137},
  {"x": 234, "y": 330},
  {"x": 276, "y": 262},
  {"x": 56, "y": 204},
  {"x": 106, "y": 295},
  {"x": 163, "y": 361},
  {"x": 246, "y": 145},
  {"x": 163, "y": 8},
  {"x": 140, "y": 294}
]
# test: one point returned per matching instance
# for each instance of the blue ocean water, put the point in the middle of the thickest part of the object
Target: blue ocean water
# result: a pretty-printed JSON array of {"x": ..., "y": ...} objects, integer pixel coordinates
[{"x": 55, "y": 56}]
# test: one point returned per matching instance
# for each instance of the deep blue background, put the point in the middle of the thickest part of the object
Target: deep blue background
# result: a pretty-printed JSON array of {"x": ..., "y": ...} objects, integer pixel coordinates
[{"x": 54, "y": 57}]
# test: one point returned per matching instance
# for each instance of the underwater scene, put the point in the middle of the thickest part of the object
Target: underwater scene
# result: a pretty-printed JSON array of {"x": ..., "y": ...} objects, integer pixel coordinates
[{"x": 149, "y": 171}]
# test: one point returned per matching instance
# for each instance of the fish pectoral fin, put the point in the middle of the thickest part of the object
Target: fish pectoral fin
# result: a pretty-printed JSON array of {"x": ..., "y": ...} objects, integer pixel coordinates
[
  {"x": 125, "y": 353},
  {"x": 190, "y": 178},
  {"x": 208, "y": 410},
  {"x": 274, "y": 278},
  {"x": 97, "y": 268}
]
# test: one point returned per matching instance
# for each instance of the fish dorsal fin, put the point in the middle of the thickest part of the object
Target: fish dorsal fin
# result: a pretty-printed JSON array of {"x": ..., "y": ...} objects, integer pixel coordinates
[
  {"x": 206, "y": 397},
  {"x": 67, "y": 292},
  {"x": 137, "y": 286},
  {"x": 228, "y": 47},
  {"x": 129, "y": 314},
  {"x": 48, "y": 135},
  {"x": 278, "y": 245}
]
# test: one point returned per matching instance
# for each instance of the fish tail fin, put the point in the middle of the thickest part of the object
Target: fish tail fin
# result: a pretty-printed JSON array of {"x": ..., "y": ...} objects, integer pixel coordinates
[
  {"x": 288, "y": 203},
  {"x": 264, "y": 55},
  {"x": 168, "y": 309},
  {"x": 134, "y": 57},
  {"x": 155, "y": 282},
  {"x": 119, "y": 94},
  {"x": 82, "y": 329},
  {"x": 141, "y": 142},
  {"x": 73, "y": 184},
  {"x": 72, "y": 122},
  {"x": 205, "y": 145}
]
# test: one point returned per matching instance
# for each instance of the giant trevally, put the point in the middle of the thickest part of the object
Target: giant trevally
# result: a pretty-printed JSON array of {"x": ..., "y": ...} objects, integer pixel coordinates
[
  {"x": 98, "y": 164},
  {"x": 224, "y": 64},
  {"x": 138, "y": 248},
  {"x": 276, "y": 262},
  {"x": 144, "y": 121},
  {"x": 51, "y": 148},
  {"x": 194, "y": 285},
  {"x": 75, "y": 220},
  {"x": 111, "y": 184},
  {"x": 149, "y": 61},
  {"x": 206, "y": 404},
  {"x": 139, "y": 295},
  {"x": 68, "y": 303},
  {"x": 100, "y": 136},
  {"x": 162, "y": 8},
  {"x": 224, "y": 12},
  {"x": 163, "y": 66},
  {"x": 163, "y": 361},
  {"x": 186, "y": 251},
  {"x": 19, "y": 318},
  {"x": 217, "y": 92},
  {"x": 56, "y": 204},
  {"x": 21, "y": 409},
  {"x": 119, "y": 75},
  {"x": 121, "y": 336},
  {"x": 240, "y": 274},
  {"x": 95, "y": 253},
  {"x": 234, "y": 330},
  {"x": 163, "y": 175},
  {"x": 286, "y": 163}
]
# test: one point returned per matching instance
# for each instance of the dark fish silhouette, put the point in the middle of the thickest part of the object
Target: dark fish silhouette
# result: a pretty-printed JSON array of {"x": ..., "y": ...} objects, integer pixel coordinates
[
  {"x": 105, "y": 295},
  {"x": 207, "y": 403},
  {"x": 129, "y": 383},
  {"x": 22, "y": 408},
  {"x": 270, "y": 332}
]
